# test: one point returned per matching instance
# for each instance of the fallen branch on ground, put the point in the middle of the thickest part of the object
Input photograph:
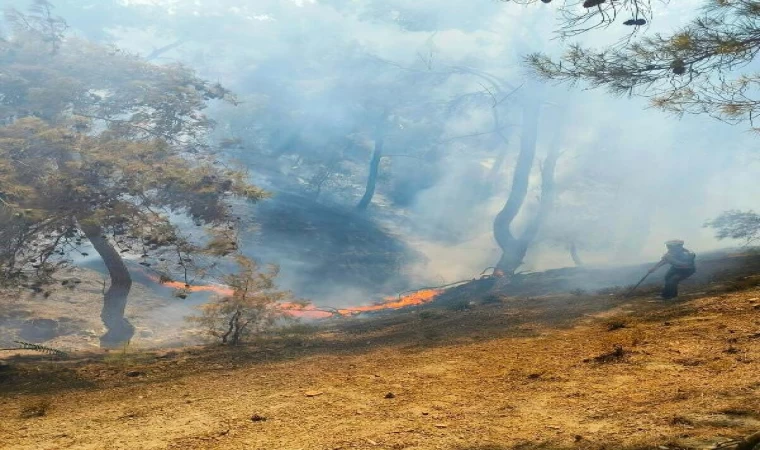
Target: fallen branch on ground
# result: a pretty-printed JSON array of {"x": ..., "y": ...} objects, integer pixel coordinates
[{"x": 36, "y": 348}]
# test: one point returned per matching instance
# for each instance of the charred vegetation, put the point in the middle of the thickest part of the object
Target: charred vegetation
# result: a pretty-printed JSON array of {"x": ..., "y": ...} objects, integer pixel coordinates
[{"x": 333, "y": 247}]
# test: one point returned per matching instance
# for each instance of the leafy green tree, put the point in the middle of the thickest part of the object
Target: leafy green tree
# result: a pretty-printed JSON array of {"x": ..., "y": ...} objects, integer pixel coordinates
[{"x": 100, "y": 145}]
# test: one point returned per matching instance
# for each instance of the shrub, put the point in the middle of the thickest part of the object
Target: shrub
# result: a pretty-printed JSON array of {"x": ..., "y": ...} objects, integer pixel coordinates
[{"x": 253, "y": 308}]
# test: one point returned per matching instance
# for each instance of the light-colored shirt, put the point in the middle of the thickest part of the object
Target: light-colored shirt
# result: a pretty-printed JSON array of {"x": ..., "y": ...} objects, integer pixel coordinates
[{"x": 680, "y": 258}]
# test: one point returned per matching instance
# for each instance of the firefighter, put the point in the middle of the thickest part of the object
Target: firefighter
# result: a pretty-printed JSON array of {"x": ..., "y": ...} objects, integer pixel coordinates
[{"x": 682, "y": 267}]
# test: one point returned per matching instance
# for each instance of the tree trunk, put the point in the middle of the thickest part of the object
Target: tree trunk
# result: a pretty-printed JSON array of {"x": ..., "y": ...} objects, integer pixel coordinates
[
  {"x": 574, "y": 254},
  {"x": 513, "y": 251},
  {"x": 546, "y": 203},
  {"x": 374, "y": 168},
  {"x": 118, "y": 330}
]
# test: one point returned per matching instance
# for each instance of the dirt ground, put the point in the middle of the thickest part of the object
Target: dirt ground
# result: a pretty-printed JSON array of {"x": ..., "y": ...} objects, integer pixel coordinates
[
  {"x": 517, "y": 373},
  {"x": 156, "y": 314}
]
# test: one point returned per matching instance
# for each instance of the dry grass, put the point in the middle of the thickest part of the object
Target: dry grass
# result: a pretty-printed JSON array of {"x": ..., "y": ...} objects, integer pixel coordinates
[
  {"x": 35, "y": 408},
  {"x": 493, "y": 377}
]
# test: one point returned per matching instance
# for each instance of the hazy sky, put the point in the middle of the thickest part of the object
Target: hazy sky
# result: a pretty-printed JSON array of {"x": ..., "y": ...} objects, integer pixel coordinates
[{"x": 670, "y": 175}]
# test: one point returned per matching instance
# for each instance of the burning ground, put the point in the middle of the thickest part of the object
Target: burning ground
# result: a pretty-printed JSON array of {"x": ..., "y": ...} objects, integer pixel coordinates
[
  {"x": 550, "y": 371},
  {"x": 68, "y": 318}
]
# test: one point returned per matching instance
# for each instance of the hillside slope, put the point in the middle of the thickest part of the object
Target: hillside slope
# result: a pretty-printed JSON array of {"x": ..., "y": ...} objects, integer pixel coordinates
[{"x": 517, "y": 374}]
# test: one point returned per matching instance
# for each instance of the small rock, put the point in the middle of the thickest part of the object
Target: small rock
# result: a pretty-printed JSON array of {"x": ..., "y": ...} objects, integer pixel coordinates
[
  {"x": 441, "y": 425},
  {"x": 135, "y": 373},
  {"x": 578, "y": 438},
  {"x": 390, "y": 395},
  {"x": 313, "y": 393},
  {"x": 258, "y": 418}
]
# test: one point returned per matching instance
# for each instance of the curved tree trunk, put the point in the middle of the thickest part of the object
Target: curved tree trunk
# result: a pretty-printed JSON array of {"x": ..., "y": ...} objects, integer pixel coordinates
[
  {"x": 118, "y": 330},
  {"x": 374, "y": 168},
  {"x": 513, "y": 250},
  {"x": 546, "y": 202}
]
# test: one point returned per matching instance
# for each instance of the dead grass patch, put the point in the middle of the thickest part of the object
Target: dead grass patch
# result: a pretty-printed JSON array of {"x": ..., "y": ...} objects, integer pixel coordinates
[
  {"x": 522, "y": 383},
  {"x": 35, "y": 408}
]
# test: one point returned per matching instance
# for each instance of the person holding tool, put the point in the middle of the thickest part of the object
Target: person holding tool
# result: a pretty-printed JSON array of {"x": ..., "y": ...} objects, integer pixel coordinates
[{"x": 682, "y": 267}]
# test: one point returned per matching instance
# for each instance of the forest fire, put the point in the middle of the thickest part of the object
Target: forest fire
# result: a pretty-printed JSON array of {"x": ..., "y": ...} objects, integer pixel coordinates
[{"x": 313, "y": 312}]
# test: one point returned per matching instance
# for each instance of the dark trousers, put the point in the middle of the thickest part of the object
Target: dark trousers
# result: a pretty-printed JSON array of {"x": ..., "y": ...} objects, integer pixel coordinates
[{"x": 672, "y": 278}]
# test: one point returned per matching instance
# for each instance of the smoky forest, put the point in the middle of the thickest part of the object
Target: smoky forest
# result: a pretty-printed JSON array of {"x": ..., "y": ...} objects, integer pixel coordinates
[{"x": 379, "y": 224}]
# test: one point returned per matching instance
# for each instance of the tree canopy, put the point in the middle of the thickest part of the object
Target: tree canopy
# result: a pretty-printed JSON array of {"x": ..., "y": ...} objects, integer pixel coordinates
[
  {"x": 734, "y": 224},
  {"x": 702, "y": 68},
  {"x": 579, "y": 17},
  {"x": 99, "y": 144}
]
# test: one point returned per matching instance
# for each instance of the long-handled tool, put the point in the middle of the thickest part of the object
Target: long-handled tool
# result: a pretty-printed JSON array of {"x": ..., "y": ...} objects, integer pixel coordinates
[{"x": 637, "y": 284}]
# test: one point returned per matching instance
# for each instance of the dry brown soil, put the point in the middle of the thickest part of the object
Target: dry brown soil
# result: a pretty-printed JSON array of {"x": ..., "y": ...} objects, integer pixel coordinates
[{"x": 520, "y": 373}]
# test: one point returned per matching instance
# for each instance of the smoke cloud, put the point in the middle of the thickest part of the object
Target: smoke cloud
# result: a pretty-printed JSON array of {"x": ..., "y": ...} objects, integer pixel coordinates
[{"x": 313, "y": 73}]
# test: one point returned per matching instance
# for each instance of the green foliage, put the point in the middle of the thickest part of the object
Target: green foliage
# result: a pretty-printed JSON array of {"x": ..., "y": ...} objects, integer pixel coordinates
[
  {"x": 696, "y": 69},
  {"x": 91, "y": 136}
]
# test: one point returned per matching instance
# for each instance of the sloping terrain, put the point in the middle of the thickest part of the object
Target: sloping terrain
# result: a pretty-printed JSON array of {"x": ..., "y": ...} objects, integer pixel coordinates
[
  {"x": 552, "y": 372},
  {"x": 68, "y": 317}
]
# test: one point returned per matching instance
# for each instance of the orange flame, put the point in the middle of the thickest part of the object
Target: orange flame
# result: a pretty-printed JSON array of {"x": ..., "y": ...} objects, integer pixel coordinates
[
  {"x": 414, "y": 299},
  {"x": 312, "y": 312}
]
